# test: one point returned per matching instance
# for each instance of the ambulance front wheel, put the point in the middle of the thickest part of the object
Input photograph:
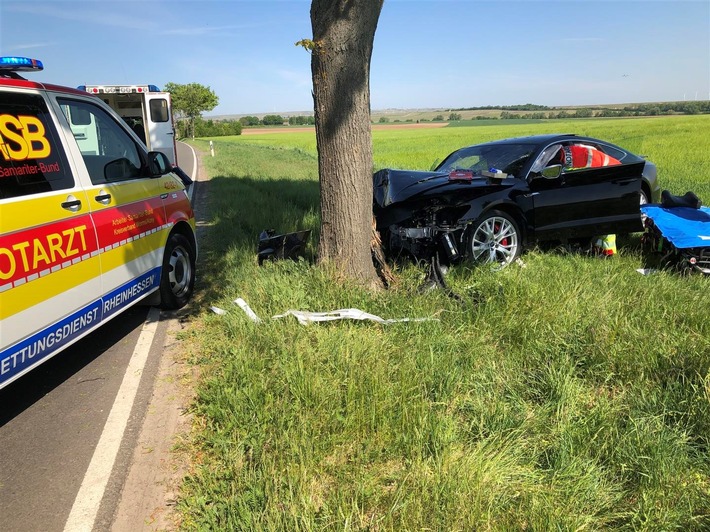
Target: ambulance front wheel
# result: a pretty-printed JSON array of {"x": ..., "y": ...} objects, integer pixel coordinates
[{"x": 177, "y": 280}]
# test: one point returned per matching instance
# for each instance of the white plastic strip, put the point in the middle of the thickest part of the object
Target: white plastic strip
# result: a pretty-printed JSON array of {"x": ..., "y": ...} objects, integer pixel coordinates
[
  {"x": 247, "y": 309},
  {"x": 304, "y": 318}
]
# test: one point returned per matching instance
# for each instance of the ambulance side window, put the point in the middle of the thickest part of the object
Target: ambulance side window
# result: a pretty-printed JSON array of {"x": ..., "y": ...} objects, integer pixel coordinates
[
  {"x": 109, "y": 152},
  {"x": 159, "y": 110},
  {"x": 31, "y": 157}
]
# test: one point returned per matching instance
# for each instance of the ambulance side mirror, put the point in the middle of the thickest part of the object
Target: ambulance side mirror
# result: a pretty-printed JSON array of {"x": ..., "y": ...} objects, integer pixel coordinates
[{"x": 159, "y": 163}]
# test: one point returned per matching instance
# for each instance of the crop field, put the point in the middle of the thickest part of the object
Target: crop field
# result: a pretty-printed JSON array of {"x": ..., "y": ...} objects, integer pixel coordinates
[
  {"x": 678, "y": 145},
  {"x": 567, "y": 393}
]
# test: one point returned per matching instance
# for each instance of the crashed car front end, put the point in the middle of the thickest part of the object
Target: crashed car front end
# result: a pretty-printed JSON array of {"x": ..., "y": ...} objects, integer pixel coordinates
[
  {"x": 422, "y": 213},
  {"x": 428, "y": 213}
]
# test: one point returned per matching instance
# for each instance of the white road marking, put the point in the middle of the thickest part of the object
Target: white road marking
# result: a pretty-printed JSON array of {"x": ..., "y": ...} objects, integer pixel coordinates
[{"x": 91, "y": 492}]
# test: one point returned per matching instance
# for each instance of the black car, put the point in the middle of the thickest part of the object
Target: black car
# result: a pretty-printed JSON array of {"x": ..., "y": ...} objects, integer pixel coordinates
[{"x": 489, "y": 201}]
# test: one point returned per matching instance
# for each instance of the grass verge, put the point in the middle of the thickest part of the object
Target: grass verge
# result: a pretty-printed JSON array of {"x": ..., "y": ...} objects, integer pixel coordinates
[{"x": 570, "y": 394}]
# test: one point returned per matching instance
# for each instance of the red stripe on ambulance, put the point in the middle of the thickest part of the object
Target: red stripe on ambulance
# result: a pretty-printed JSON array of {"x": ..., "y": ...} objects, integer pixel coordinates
[
  {"x": 129, "y": 221},
  {"x": 45, "y": 249}
]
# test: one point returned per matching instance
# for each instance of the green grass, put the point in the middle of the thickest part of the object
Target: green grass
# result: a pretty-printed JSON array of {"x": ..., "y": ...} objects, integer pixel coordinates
[
  {"x": 571, "y": 394},
  {"x": 678, "y": 145}
]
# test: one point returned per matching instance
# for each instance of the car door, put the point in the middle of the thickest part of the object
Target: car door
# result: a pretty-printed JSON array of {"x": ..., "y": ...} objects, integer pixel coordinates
[
  {"x": 126, "y": 204},
  {"x": 586, "y": 202},
  {"x": 49, "y": 265},
  {"x": 161, "y": 136}
]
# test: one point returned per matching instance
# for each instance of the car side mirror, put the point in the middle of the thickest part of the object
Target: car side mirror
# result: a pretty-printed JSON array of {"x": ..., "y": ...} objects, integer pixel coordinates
[
  {"x": 552, "y": 172},
  {"x": 159, "y": 163}
]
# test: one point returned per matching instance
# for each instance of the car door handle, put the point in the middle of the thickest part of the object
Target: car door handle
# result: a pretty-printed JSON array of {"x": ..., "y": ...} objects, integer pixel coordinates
[
  {"x": 103, "y": 198},
  {"x": 72, "y": 204}
]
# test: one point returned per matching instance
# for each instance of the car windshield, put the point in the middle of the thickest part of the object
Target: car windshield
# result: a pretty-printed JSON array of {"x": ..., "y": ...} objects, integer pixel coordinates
[{"x": 508, "y": 158}]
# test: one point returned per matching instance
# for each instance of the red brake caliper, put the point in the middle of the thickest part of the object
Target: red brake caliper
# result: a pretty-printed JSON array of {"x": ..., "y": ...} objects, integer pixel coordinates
[{"x": 503, "y": 242}]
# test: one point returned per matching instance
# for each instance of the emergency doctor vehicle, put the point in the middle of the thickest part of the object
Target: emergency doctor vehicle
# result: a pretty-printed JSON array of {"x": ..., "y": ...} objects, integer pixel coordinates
[
  {"x": 146, "y": 110},
  {"x": 90, "y": 221}
]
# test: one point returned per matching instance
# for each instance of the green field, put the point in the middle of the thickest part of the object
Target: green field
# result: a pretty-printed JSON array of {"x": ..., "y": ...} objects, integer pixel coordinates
[{"x": 569, "y": 394}]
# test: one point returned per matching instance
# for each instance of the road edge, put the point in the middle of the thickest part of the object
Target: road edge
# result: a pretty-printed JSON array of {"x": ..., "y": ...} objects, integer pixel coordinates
[{"x": 159, "y": 461}]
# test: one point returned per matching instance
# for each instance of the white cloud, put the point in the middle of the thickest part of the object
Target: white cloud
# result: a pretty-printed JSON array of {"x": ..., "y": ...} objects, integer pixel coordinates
[
  {"x": 583, "y": 39},
  {"x": 100, "y": 17},
  {"x": 28, "y": 46},
  {"x": 211, "y": 31}
]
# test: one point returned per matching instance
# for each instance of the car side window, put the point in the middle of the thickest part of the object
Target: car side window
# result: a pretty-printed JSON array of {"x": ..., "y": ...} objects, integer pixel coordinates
[
  {"x": 580, "y": 156},
  {"x": 31, "y": 158},
  {"x": 109, "y": 152},
  {"x": 548, "y": 157},
  {"x": 616, "y": 153}
]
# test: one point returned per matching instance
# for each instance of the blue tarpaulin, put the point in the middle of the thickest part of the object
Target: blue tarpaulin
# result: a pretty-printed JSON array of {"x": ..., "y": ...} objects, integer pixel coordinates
[{"x": 682, "y": 226}]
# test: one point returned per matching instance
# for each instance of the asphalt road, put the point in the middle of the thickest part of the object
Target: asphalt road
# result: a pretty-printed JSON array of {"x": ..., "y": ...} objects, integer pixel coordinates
[{"x": 52, "y": 419}]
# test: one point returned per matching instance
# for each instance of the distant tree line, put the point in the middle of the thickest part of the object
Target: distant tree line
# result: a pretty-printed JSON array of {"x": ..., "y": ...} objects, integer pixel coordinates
[
  {"x": 273, "y": 120},
  {"x": 215, "y": 128},
  {"x": 666, "y": 108},
  {"x": 438, "y": 118},
  {"x": 209, "y": 128},
  {"x": 643, "y": 109},
  {"x": 309, "y": 120},
  {"x": 277, "y": 120},
  {"x": 650, "y": 109},
  {"x": 268, "y": 120},
  {"x": 520, "y": 107}
]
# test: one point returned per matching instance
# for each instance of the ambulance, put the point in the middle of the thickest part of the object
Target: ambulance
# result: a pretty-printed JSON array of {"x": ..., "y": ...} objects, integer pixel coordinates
[
  {"x": 90, "y": 221},
  {"x": 146, "y": 110}
]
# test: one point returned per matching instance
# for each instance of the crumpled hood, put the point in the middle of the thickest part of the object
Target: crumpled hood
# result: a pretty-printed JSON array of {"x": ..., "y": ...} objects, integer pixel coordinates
[{"x": 397, "y": 186}]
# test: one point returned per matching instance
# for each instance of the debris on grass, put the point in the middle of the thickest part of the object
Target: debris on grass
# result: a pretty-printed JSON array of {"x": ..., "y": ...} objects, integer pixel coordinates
[
  {"x": 247, "y": 309},
  {"x": 304, "y": 317}
]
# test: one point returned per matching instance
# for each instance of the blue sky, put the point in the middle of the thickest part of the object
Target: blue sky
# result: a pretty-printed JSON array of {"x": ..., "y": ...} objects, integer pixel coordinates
[{"x": 427, "y": 54}]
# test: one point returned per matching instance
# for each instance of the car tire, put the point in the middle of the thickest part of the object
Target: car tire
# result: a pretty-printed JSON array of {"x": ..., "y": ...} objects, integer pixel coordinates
[
  {"x": 177, "y": 280},
  {"x": 643, "y": 198},
  {"x": 494, "y": 239}
]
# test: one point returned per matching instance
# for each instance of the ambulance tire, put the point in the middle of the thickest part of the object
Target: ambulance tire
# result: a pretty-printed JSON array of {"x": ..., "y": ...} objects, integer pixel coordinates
[{"x": 177, "y": 280}]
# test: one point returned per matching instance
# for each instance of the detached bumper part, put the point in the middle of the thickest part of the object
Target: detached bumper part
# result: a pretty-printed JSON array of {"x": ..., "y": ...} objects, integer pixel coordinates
[{"x": 286, "y": 246}]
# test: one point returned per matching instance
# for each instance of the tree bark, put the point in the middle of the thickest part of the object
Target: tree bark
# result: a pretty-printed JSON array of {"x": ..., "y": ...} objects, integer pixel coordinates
[{"x": 343, "y": 35}]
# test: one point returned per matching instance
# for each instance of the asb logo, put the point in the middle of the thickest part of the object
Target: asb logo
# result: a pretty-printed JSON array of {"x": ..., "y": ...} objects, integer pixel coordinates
[{"x": 23, "y": 137}]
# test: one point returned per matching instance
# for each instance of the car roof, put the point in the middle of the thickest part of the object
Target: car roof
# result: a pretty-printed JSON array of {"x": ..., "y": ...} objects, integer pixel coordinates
[
  {"x": 536, "y": 139},
  {"x": 27, "y": 84}
]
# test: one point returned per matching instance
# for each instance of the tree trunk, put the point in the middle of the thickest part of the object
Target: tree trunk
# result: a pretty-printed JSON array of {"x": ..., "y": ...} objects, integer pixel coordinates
[{"x": 343, "y": 34}]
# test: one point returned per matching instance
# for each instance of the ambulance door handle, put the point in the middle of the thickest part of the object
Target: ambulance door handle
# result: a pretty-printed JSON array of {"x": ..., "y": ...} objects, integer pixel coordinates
[
  {"x": 103, "y": 198},
  {"x": 72, "y": 204}
]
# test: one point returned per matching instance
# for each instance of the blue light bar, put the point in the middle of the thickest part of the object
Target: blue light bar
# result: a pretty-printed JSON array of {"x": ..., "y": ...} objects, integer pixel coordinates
[{"x": 20, "y": 64}]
